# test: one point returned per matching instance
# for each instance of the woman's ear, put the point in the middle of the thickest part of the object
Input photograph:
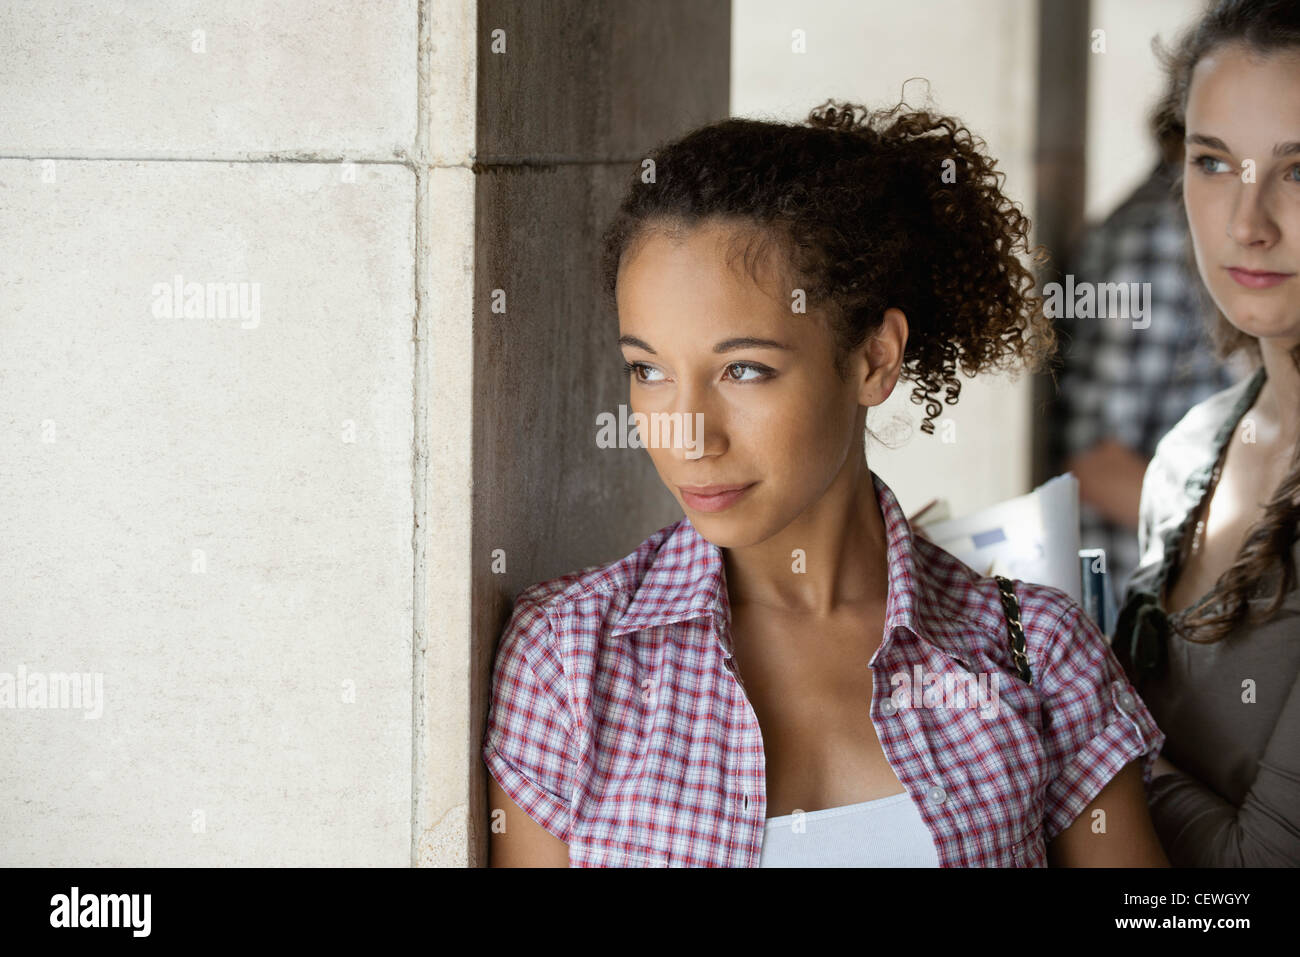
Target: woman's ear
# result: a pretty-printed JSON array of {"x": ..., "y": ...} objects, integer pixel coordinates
[{"x": 883, "y": 354}]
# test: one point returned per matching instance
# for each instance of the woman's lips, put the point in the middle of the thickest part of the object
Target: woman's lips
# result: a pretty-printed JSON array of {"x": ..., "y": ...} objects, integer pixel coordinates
[
  {"x": 1255, "y": 279},
  {"x": 713, "y": 498}
]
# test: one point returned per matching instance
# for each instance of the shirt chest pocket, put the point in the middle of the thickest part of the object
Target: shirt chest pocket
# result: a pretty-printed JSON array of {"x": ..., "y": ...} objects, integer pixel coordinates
[
  {"x": 1032, "y": 851},
  {"x": 1028, "y": 851},
  {"x": 1010, "y": 831},
  {"x": 592, "y": 854}
]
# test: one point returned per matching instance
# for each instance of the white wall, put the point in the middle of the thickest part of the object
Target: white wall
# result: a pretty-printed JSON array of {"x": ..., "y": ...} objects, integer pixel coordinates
[
  {"x": 214, "y": 515},
  {"x": 1123, "y": 84}
]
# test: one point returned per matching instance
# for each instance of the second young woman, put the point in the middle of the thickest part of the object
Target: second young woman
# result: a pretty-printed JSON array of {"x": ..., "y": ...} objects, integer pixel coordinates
[{"x": 1211, "y": 626}]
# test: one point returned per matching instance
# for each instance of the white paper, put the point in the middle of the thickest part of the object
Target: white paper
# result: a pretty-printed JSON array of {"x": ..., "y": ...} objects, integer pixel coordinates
[{"x": 1034, "y": 538}]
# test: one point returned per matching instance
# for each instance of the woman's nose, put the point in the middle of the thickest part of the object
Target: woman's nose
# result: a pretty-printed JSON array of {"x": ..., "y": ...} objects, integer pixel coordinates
[{"x": 1251, "y": 222}]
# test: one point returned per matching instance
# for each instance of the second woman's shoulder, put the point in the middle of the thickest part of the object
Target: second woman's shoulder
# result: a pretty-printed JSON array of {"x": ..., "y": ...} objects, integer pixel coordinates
[
  {"x": 1181, "y": 466},
  {"x": 1190, "y": 444}
]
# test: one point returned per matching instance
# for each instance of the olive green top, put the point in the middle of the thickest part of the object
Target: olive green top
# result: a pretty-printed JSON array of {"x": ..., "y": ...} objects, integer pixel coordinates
[{"x": 1230, "y": 709}]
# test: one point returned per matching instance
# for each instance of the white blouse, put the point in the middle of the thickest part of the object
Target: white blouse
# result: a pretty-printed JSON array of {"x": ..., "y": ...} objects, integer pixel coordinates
[{"x": 886, "y": 832}]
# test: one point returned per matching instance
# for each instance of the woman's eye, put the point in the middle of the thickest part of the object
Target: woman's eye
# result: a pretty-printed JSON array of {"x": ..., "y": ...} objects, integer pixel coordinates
[
  {"x": 1206, "y": 162},
  {"x": 762, "y": 371},
  {"x": 644, "y": 373},
  {"x": 1295, "y": 173},
  {"x": 635, "y": 369}
]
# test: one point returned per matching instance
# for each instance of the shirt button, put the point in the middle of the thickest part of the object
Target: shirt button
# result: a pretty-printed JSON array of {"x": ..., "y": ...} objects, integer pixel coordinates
[
  {"x": 937, "y": 795},
  {"x": 888, "y": 707},
  {"x": 1124, "y": 699}
]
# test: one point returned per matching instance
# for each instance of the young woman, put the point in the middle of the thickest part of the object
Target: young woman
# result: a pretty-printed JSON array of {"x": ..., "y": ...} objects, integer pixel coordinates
[
  {"x": 773, "y": 679},
  {"x": 1210, "y": 630}
]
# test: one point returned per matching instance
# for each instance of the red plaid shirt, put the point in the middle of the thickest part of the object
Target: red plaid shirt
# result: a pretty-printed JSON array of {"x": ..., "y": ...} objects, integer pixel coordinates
[{"x": 617, "y": 723}]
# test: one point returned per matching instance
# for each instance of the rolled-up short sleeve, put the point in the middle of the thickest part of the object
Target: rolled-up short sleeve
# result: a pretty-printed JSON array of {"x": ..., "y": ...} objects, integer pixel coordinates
[
  {"x": 1094, "y": 723},
  {"x": 528, "y": 741}
]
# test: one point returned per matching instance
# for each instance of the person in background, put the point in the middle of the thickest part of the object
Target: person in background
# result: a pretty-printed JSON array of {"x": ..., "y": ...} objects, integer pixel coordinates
[
  {"x": 1122, "y": 388},
  {"x": 1210, "y": 629}
]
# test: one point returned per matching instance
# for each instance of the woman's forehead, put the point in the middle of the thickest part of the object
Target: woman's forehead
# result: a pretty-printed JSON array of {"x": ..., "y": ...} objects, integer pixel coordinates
[
  {"x": 709, "y": 270},
  {"x": 1230, "y": 79}
]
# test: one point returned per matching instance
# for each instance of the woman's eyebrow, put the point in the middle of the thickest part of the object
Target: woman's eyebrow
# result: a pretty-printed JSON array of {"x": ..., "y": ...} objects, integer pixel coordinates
[
  {"x": 637, "y": 343},
  {"x": 726, "y": 345},
  {"x": 749, "y": 342},
  {"x": 1213, "y": 142}
]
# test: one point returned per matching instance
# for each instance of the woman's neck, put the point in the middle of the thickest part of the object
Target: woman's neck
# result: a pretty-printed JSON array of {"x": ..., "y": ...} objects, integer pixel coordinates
[
  {"x": 1279, "y": 399},
  {"x": 842, "y": 541}
]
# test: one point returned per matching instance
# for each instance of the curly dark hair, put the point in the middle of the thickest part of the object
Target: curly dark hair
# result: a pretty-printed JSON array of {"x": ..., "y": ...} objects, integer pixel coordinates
[
  {"x": 868, "y": 210},
  {"x": 1265, "y": 560}
]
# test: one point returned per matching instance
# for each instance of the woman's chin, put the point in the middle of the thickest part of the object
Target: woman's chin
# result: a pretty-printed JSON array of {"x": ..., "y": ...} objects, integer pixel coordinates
[
  {"x": 718, "y": 529},
  {"x": 725, "y": 529},
  {"x": 1280, "y": 329},
  {"x": 1258, "y": 317}
]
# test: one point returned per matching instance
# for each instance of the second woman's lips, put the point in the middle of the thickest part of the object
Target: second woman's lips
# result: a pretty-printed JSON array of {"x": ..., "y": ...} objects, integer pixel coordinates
[{"x": 1257, "y": 279}]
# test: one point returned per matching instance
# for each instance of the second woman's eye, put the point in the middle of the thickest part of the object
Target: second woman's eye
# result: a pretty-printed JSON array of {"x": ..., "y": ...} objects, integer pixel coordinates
[
  {"x": 1205, "y": 164},
  {"x": 763, "y": 371}
]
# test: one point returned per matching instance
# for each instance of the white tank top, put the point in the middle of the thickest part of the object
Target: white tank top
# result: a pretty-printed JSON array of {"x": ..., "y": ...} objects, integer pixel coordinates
[{"x": 887, "y": 832}]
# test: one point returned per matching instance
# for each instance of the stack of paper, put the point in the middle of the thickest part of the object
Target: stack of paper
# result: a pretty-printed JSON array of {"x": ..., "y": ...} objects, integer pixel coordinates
[{"x": 1034, "y": 538}]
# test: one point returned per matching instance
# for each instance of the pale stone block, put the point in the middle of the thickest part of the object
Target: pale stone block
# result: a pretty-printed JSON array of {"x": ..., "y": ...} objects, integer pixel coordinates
[
  {"x": 186, "y": 78},
  {"x": 215, "y": 514}
]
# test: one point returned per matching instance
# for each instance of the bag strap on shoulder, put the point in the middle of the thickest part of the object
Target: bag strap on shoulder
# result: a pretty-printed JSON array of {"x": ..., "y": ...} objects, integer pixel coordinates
[{"x": 1017, "y": 634}]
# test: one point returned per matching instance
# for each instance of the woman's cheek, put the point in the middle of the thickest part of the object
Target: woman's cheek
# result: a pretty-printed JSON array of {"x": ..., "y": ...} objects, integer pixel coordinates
[
  {"x": 1197, "y": 216},
  {"x": 799, "y": 432}
]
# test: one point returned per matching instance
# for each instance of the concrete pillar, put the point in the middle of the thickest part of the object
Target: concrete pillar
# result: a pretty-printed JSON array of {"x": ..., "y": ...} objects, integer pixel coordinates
[{"x": 565, "y": 114}]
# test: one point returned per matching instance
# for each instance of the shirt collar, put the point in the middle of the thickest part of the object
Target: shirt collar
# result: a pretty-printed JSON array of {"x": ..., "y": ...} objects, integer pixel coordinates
[{"x": 687, "y": 580}]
